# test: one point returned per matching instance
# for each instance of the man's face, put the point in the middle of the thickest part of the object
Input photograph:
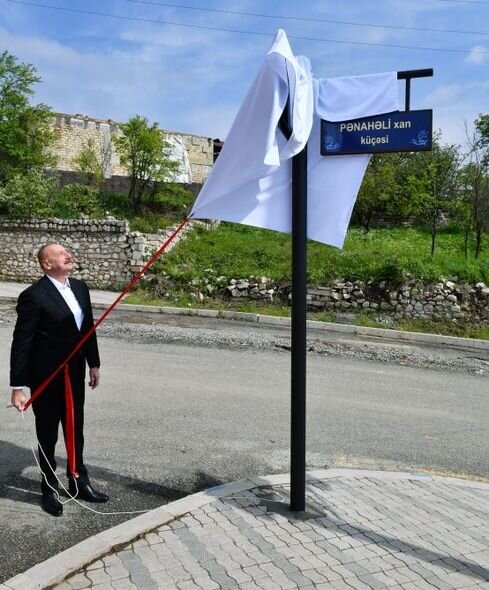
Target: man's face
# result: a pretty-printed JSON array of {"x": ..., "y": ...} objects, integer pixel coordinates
[{"x": 56, "y": 260}]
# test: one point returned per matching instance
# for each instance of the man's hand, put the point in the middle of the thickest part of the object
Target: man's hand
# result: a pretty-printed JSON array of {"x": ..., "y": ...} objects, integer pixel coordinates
[
  {"x": 18, "y": 399},
  {"x": 94, "y": 377}
]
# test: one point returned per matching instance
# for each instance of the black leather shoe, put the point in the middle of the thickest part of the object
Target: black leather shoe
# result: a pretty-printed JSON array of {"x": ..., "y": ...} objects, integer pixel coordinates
[
  {"x": 51, "y": 504},
  {"x": 87, "y": 493}
]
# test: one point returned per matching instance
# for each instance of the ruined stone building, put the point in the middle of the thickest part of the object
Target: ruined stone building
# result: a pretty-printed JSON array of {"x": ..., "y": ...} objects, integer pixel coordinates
[{"x": 195, "y": 153}]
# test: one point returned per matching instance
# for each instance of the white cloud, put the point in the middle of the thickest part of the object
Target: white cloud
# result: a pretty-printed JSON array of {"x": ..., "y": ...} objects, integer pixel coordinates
[
  {"x": 478, "y": 55},
  {"x": 445, "y": 95},
  {"x": 455, "y": 106}
]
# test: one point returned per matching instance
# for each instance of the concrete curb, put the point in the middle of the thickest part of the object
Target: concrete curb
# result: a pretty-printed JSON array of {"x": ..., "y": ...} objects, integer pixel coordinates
[
  {"x": 381, "y": 333},
  {"x": 56, "y": 569},
  {"x": 414, "y": 337}
]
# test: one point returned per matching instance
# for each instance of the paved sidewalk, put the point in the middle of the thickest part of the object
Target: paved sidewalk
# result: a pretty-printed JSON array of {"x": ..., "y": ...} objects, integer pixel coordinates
[{"x": 361, "y": 529}]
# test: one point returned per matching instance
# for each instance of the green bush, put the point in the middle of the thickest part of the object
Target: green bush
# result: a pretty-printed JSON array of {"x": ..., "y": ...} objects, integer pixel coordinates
[
  {"x": 149, "y": 222},
  {"x": 78, "y": 199},
  {"x": 173, "y": 200},
  {"x": 29, "y": 195}
]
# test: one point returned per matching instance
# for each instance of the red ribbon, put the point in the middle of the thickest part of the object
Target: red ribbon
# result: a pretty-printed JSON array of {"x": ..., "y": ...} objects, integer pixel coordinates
[{"x": 70, "y": 425}]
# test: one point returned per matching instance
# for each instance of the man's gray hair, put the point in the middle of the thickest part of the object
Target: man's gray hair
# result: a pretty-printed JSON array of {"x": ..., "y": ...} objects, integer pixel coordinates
[{"x": 40, "y": 252}]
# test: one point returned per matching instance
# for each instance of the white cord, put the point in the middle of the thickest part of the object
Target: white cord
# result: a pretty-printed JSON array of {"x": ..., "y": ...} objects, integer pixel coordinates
[{"x": 70, "y": 497}]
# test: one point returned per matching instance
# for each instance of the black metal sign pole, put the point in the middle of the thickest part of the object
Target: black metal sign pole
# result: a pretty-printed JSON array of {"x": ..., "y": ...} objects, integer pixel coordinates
[
  {"x": 408, "y": 75},
  {"x": 298, "y": 332},
  {"x": 298, "y": 324}
]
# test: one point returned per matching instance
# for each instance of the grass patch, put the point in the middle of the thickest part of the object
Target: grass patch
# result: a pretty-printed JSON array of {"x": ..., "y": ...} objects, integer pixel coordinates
[
  {"x": 238, "y": 251},
  {"x": 186, "y": 301}
]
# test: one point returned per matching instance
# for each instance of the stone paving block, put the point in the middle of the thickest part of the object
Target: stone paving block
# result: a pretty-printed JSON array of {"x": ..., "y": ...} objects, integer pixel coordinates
[
  {"x": 145, "y": 553},
  {"x": 162, "y": 580},
  {"x": 206, "y": 583},
  {"x": 152, "y": 538},
  {"x": 259, "y": 558},
  {"x": 272, "y": 570},
  {"x": 408, "y": 574},
  {"x": 268, "y": 584},
  {"x": 419, "y": 569},
  {"x": 178, "y": 574},
  {"x": 311, "y": 549},
  {"x": 116, "y": 572},
  {"x": 460, "y": 580},
  {"x": 385, "y": 578},
  {"x": 393, "y": 559},
  {"x": 98, "y": 576},
  {"x": 250, "y": 586},
  {"x": 369, "y": 566},
  {"x": 255, "y": 572},
  {"x": 285, "y": 565},
  {"x": 111, "y": 559},
  {"x": 301, "y": 563},
  {"x": 140, "y": 543},
  {"x": 79, "y": 581},
  {"x": 284, "y": 582},
  {"x": 96, "y": 565},
  {"x": 187, "y": 585},
  {"x": 343, "y": 571},
  {"x": 335, "y": 585},
  {"x": 315, "y": 576},
  {"x": 239, "y": 575},
  {"x": 227, "y": 563},
  {"x": 327, "y": 559},
  {"x": 358, "y": 584},
  {"x": 276, "y": 542}
]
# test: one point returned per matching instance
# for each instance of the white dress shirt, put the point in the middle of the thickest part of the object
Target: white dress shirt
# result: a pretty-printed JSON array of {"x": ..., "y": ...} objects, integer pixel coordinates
[{"x": 69, "y": 297}]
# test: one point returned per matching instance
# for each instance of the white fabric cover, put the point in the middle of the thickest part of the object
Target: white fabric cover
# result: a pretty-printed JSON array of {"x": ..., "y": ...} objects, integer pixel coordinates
[
  {"x": 250, "y": 182},
  {"x": 178, "y": 153}
]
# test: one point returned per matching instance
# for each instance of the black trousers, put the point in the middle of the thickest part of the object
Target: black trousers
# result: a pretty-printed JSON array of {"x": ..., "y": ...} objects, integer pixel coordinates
[{"x": 50, "y": 411}]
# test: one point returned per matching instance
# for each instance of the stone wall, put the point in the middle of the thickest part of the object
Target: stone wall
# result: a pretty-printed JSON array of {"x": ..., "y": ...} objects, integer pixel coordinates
[
  {"x": 443, "y": 300},
  {"x": 106, "y": 253},
  {"x": 73, "y": 132}
]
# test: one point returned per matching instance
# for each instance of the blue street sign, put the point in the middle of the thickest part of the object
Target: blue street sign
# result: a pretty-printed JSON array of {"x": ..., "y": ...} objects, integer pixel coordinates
[{"x": 400, "y": 131}]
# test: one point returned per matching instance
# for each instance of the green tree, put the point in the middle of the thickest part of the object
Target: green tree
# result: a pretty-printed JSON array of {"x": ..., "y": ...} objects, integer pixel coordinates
[
  {"x": 433, "y": 184},
  {"x": 482, "y": 134},
  {"x": 145, "y": 153},
  {"x": 382, "y": 189},
  {"x": 89, "y": 164},
  {"x": 25, "y": 133},
  {"x": 30, "y": 194},
  {"x": 475, "y": 184}
]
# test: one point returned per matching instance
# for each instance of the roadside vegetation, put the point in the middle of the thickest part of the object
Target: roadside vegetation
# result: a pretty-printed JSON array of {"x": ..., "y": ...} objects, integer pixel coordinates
[
  {"x": 391, "y": 255},
  {"x": 237, "y": 251}
]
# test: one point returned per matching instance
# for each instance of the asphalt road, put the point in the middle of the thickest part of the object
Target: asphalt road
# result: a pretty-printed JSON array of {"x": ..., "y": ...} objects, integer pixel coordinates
[{"x": 171, "y": 418}]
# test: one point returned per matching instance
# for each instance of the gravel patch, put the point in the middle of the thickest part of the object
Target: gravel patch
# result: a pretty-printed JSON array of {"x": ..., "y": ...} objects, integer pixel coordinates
[
  {"x": 241, "y": 335},
  {"x": 260, "y": 339}
]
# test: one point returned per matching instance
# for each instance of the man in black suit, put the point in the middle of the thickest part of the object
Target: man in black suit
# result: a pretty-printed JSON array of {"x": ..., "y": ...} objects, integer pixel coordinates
[{"x": 52, "y": 316}]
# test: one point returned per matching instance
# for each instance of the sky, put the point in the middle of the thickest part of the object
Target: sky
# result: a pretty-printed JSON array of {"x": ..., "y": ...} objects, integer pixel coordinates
[{"x": 188, "y": 64}]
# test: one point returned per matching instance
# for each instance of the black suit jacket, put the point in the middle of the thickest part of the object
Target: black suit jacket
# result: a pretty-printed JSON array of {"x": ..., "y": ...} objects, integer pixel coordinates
[{"x": 46, "y": 332}]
